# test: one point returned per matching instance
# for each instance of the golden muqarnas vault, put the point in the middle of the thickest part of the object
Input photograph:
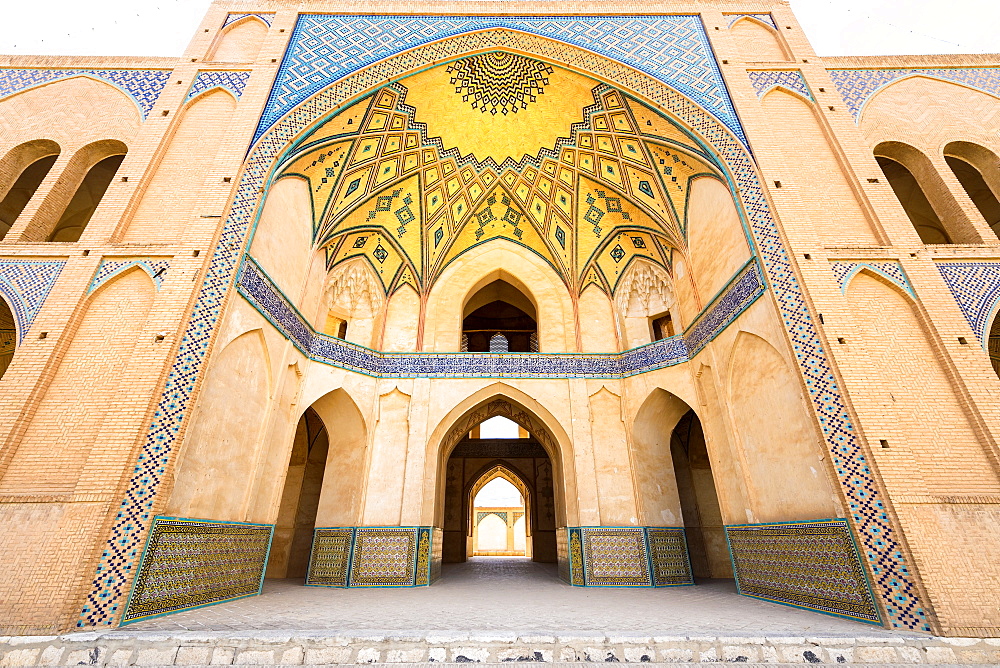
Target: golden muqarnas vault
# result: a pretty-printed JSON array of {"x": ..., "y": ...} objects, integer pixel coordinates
[{"x": 740, "y": 301}]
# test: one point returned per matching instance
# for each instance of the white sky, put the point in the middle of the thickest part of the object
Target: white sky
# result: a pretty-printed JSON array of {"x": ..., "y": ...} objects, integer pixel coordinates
[
  {"x": 497, "y": 493},
  {"x": 163, "y": 27}
]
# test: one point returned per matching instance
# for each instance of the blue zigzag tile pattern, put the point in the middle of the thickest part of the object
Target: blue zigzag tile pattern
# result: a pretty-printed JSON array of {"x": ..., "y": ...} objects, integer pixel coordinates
[
  {"x": 266, "y": 17},
  {"x": 261, "y": 292},
  {"x": 143, "y": 86},
  {"x": 881, "y": 548},
  {"x": 672, "y": 49},
  {"x": 763, "y": 18},
  {"x": 858, "y": 86},
  {"x": 892, "y": 271},
  {"x": 155, "y": 267},
  {"x": 976, "y": 288},
  {"x": 764, "y": 81},
  {"x": 26, "y": 284},
  {"x": 205, "y": 81}
]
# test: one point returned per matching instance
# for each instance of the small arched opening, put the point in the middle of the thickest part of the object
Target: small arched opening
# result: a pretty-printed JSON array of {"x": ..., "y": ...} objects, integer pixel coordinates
[
  {"x": 30, "y": 163},
  {"x": 976, "y": 167},
  {"x": 911, "y": 196},
  {"x": 499, "y": 318},
  {"x": 8, "y": 336},
  {"x": 499, "y": 522},
  {"x": 91, "y": 188}
]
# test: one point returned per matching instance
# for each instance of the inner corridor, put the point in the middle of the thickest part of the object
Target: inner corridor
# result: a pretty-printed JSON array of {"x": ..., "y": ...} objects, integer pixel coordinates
[{"x": 511, "y": 594}]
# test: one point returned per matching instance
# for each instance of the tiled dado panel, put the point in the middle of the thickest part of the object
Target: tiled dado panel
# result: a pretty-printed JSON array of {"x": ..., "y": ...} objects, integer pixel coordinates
[
  {"x": 375, "y": 557},
  {"x": 812, "y": 565},
  {"x": 624, "y": 557},
  {"x": 192, "y": 563},
  {"x": 143, "y": 86},
  {"x": 25, "y": 284},
  {"x": 745, "y": 288},
  {"x": 893, "y": 577}
]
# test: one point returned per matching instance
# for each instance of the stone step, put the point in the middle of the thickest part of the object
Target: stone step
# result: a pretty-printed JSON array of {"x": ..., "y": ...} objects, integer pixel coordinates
[{"x": 288, "y": 648}]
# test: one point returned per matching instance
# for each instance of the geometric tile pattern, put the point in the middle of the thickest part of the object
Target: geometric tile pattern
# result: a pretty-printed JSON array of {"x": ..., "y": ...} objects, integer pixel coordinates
[
  {"x": 669, "y": 555},
  {"x": 260, "y": 291},
  {"x": 143, "y": 86},
  {"x": 976, "y": 288},
  {"x": 813, "y": 565},
  {"x": 234, "y": 82},
  {"x": 192, "y": 563},
  {"x": 763, "y": 18},
  {"x": 422, "y": 570},
  {"x": 330, "y": 559},
  {"x": 574, "y": 572},
  {"x": 155, "y": 267},
  {"x": 793, "y": 80},
  {"x": 384, "y": 557},
  {"x": 499, "y": 82},
  {"x": 858, "y": 86},
  {"x": 881, "y": 548},
  {"x": 672, "y": 49},
  {"x": 25, "y": 284},
  {"x": 263, "y": 16},
  {"x": 616, "y": 557},
  {"x": 891, "y": 271}
]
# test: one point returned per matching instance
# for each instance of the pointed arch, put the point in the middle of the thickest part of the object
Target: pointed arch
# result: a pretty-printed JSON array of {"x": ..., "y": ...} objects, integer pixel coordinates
[
  {"x": 977, "y": 169},
  {"x": 22, "y": 171},
  {"x": 240, "y": 41},
  {"x": 860, "y": 115},
  {"x": 8, "y": 334},
  {"x": 758, "y": 41}
]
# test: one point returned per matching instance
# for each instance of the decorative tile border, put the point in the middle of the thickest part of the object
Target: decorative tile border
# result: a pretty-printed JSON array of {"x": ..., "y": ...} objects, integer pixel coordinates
[
  {"x": 892, "y": 575},
  {"x": 375, "y": 557},
  {"x": 812, "y": 565},
  {"x": 143, "y": 86},
  {"x": 155, "y": 267},
  {"x": 858, "y": 86},
  {"x": 672, "y": 49},
  {"x": 261, "y": 292},
  {"x": 763, "y": 18},
  {"x": 765, "y": 80},
  {"x": 891, "y": 271},
  {"x": 266, "y": 17},
  {"x": 26, "y": 285},
  {"x": 193, "y": 563},
  {"x": 206, "y": 80},
  {"x": 976, "y": 288}
]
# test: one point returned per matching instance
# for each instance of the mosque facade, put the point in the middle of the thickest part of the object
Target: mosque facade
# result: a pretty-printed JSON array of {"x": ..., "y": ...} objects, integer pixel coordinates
[{"x": 741, "y": 302}]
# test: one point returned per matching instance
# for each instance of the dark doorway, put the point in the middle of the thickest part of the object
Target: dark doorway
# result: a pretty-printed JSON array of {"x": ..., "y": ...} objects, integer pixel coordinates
[{"x": 499, "y": 318}]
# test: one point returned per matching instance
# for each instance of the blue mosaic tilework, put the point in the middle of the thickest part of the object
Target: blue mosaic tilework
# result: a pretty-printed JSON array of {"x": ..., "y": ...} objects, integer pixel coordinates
[
  {"x": 261, "y": 292},
  {"x": 812, "y": 565},
  {"x": 143, "y": 86},
  {"x": 263, "y": 16},
  {"x": 882, "y": 551},
  {"x": 891, "y": 271},
  {"x": 858, "y": 86},
  {"x": 763, "y": 18},
  {"x": 205, "y": 81},
  {"x": 764, "y": 81},
  {"x": 26, "y": 284},
  {"x": 976, "y": 288},
  {"x": 672, "y": 49},
  {"x": 155, "y": 267}
]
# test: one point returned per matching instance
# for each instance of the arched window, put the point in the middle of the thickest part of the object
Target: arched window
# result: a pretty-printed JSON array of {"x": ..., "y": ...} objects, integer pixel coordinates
[
  {"x": 8, "y": 337},
  {"x": 978, "y": 170},
  {"x": 915, "y": 203},
  {"x": 499, "y": 318},
  {"x": 22, "y": 191},
  {"x": 993, "y": 344},
  {"x": 81, "y": 208}
]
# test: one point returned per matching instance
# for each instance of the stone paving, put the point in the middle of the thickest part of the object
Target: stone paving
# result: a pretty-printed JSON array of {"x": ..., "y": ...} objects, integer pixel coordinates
[{"x": 496, "y": 610}]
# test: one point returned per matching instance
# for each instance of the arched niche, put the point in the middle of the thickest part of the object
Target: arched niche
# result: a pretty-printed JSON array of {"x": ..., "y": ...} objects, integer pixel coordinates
[
  {"x": 282, "y": 241},
  {"x": 823, "y": 175},
  {"x": 8, "y": 336},
  {"x": 644, "y": 295},
  {"x": 179, "y": 177},
  {"x": 782, "y": 449},
  {"x": 86, "y": 383},
  {"x": 22, "y": 171},
  {"x": 402, "y": 321},
  {"x": 69, "y": 205},
  {"x": 978, "y": 170},
  {"x": 352, "y": 295},
  {"x": 757, "y": 41},
  {"x": 220, "y": 448},
  {"x": 717, "y": 243},
  {"x": 498, "y": 310},
  {"x": 482, "y": 265},
  {"x": 503, "y": 471},
  {"x": 240, "y": 41},
  {"x": 993, "y": 343},
  {"x": 923, "y": 194}
]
